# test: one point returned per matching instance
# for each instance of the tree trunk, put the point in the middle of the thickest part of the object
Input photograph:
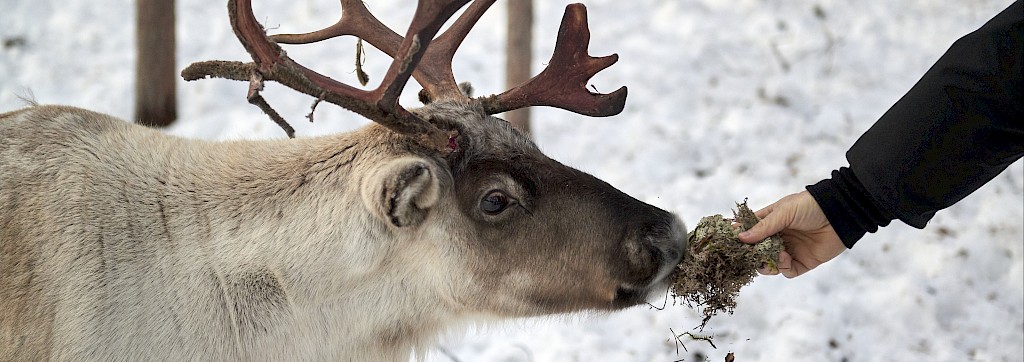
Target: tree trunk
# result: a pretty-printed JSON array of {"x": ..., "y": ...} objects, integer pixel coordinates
[
  {"x": 518, "y": 55},
  {"x": 155, "y": 71}
]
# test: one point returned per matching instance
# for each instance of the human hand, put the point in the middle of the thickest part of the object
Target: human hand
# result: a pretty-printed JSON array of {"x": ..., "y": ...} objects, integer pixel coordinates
[{"x": 806, "y": 233}]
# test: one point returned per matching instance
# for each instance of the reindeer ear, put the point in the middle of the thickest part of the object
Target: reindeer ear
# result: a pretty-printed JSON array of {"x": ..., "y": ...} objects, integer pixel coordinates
[{"x": 402, "y": 191}]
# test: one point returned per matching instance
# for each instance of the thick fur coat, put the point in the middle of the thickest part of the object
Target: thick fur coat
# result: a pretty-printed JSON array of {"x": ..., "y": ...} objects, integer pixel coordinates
[{"x": 118, "y": 242}]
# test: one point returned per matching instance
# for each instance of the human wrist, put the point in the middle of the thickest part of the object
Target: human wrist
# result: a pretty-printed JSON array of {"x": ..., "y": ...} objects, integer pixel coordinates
[{"x": 847, "y": 205}]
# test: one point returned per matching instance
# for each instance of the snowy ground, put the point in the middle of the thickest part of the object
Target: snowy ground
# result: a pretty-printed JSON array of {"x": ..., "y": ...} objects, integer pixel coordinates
[{"x": 728, "y": 100}]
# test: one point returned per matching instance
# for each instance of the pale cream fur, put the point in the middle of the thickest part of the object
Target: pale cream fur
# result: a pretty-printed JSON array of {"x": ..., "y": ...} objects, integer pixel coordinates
[{"x": 112, "y": 233}]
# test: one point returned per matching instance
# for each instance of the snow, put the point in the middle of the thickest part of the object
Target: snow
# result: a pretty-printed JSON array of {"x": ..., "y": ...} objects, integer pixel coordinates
[{"x": 727, "y": 100}]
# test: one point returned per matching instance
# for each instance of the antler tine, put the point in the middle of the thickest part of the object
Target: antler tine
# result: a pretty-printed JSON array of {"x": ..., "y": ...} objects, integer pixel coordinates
[
  {"x": 435, "y": 70},
  {"x": 356, "y": 20},
  {"x": 430, "y": 16},
  {"x": 380, "y": 105},
  {"x": 563, "y": 83}
]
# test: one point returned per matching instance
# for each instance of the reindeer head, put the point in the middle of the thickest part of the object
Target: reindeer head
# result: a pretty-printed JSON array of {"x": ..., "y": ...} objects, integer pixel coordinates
[{"x": 534, "y": 236}]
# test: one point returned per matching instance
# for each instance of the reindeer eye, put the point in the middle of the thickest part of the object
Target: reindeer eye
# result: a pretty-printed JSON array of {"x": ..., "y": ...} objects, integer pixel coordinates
[{"x": 494, "y": 203}]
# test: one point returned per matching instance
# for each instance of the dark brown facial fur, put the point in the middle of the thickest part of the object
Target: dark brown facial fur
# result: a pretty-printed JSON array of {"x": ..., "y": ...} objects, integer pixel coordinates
[{"x": 553, "y": 236}]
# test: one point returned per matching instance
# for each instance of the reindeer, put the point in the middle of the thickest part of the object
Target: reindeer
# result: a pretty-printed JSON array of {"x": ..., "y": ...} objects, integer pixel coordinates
[{"x": 118, "y": 242}]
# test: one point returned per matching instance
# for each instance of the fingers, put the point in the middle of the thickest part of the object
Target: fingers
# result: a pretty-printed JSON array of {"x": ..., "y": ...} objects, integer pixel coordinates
[
  {"x": 797, "y": 268},
  {"x": 785, "y": 263},
  {"x": 788, "y": 267},
  {"x": 770, "y": 224},
  {"x": 768, "y": 270},
  {"x": 804, "y": 228},
  {"x": 765, "y": 211},
  {"x": 774, "y": 218}
]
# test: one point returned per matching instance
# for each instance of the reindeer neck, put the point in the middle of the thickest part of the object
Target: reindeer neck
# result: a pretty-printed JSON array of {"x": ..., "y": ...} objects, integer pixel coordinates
[{"x": 274, "y": 200}]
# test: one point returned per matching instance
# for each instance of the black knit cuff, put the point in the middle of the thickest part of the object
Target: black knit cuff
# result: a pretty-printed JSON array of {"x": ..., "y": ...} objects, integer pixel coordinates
[{"x": 848, "y": 206}]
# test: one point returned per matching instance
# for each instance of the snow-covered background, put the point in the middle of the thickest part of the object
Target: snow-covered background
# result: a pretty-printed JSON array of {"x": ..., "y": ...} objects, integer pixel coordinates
[{"x": 727, "y": 100}]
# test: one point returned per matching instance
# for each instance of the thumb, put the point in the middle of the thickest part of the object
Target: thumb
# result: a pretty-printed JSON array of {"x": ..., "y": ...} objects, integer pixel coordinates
[{"x": 770, "y": 225}]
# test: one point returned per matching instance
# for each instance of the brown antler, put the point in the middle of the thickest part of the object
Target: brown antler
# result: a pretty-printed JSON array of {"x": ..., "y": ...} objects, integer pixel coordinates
[
  {"x": 380, "y": 105},
  {"x": 563, "y": 83},
  {"x": 434, "y": 72}
]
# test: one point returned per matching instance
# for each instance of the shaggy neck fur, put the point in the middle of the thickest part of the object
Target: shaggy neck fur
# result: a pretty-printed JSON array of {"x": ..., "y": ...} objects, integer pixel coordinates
[
  {"x": 348, "y": 289},
  {"x": 159, "y": 248}
]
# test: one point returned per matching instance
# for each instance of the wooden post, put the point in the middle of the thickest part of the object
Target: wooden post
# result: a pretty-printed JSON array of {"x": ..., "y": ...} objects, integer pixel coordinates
[
  {"x": 518, "y": 53},
  {"x": 155, "y": 71}
]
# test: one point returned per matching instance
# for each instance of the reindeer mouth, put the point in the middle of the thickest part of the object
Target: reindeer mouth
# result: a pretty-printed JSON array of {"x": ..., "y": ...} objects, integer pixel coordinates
[
  {"x": 668, "y": 249},
  {"x": 626, "y": 297}
]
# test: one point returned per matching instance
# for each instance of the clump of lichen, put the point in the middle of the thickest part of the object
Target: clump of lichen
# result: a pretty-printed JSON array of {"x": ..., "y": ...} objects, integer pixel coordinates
[{"x": 718, "y": 264}]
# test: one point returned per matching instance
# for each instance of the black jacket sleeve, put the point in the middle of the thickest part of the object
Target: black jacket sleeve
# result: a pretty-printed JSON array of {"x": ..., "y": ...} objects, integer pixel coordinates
[{"x": 956, "y": 129}]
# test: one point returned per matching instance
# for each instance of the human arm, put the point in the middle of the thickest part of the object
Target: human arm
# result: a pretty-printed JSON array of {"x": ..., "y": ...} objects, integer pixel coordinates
[{"x": 956, "y": 129}]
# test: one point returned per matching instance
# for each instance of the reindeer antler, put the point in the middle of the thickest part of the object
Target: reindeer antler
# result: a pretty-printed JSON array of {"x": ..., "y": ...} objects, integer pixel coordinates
[
  {"x": 434, "y": 72},
  {"x": 380, "y": 105},
  {"x": 562, "y": 84}
]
